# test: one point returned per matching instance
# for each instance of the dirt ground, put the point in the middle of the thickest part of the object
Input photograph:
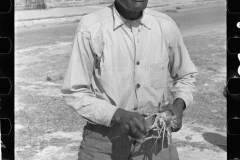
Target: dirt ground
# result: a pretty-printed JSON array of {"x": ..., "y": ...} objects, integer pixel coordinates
[{"x": 47, "y": 129}]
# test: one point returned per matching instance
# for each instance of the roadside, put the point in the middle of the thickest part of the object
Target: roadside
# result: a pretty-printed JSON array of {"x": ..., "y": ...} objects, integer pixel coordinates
[{"x": 54, "y": 16}]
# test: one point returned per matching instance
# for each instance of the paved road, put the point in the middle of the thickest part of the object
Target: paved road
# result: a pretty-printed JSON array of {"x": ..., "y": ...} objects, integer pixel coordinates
[{"x": 186, "y": 19}]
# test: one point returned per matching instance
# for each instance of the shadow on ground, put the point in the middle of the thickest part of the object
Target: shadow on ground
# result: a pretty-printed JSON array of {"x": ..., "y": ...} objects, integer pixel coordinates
[{"x": 216, "y": 139}]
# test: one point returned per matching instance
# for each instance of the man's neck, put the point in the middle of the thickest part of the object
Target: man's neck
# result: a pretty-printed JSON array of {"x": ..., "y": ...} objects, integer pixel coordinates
[{"x": 127, "y": 14}]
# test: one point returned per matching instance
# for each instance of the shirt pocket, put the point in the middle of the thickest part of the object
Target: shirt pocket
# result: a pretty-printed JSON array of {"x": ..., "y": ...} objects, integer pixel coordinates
[{"x": 158, "y": 75}]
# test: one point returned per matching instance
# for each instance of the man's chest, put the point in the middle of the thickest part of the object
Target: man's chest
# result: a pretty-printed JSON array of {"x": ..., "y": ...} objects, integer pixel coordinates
[
  {"x": 126, "y": 56},
  {"x": 129, "y": 46}
]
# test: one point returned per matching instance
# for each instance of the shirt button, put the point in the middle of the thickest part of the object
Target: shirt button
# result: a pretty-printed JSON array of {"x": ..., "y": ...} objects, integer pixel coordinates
[
  {"x": 138, "y": 63},
  {"x": 137, "y": 86}
]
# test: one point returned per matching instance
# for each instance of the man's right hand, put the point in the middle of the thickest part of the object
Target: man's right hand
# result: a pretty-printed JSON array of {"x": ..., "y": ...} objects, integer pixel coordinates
[{"x": 132, "y": 123}]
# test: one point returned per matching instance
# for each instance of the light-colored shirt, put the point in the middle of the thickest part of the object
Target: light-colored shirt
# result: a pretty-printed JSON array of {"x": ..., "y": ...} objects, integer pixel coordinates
[{"x": 120, "y": 63}]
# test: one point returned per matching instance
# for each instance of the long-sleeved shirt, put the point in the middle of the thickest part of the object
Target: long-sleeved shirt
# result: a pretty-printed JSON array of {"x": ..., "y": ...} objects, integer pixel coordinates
[{"x": 120, "y": 63}]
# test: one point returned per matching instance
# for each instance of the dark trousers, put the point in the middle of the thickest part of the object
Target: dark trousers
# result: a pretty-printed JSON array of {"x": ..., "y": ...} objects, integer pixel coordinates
[{"x": 110, "y": 143}]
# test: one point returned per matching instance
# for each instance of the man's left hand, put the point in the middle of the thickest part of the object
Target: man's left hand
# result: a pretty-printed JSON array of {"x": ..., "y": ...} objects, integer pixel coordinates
[{"x": 177, "y": 110}]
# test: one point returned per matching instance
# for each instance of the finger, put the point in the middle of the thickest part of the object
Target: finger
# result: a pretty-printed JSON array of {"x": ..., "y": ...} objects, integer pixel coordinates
[
  {"x": 135, "y": 133},
  {"x": 140, "y": 127},
  {"x": 165, "y": 108},
  {"x": 139, "y": 135},
  {"x": 175, "y": 129},
  {"x": 126, "y": 129},
  {"x": 171, "y": 110},
  {"x": 140, "y": 124},
  {"x": 145, "y": 132},
  {"x": 134, "y": 129},
  {"x": 144, "y": 123}
]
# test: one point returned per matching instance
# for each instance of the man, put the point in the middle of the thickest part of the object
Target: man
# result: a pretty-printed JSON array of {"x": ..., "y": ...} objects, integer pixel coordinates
[{"x": 118, "y": 72}]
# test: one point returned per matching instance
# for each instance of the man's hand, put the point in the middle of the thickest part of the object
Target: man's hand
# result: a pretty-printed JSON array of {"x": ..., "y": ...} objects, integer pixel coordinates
[
  {"x": 132, "y": 123},
  {"x": 177, "y": 110}
]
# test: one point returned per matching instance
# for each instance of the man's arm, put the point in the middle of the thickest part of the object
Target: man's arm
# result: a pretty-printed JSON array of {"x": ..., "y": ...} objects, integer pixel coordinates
[
  {"x": 183, "y": 72},
  {"x": 181, "y": 68},
  {"x": 76, "y": 86}
]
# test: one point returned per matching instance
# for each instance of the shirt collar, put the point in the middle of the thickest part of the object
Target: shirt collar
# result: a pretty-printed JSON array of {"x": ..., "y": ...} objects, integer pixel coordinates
[{"x": 119, "y": 20}]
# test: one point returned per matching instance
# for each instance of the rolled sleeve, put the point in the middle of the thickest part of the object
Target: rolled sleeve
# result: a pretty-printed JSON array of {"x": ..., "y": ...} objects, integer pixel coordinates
[
  {"x": 76, "y": 89},
  {"x": 182, "y": 70},
  {"x": 183, "y": 89}
]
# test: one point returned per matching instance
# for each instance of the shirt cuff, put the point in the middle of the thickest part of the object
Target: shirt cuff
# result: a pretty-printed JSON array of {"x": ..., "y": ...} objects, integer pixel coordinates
[
  {"x": 106, "y": 114},
  {"x": 186, "y": 98}
]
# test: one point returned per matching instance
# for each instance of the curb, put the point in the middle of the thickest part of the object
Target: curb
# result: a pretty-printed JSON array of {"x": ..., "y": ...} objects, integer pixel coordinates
[{"x": 75, "y": 18}]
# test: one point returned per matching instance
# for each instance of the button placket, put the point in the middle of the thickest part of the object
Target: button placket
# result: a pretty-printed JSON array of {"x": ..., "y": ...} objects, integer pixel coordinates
[
  {"x": 136, "y": 32},
  {"x": 137, "y": 50}
]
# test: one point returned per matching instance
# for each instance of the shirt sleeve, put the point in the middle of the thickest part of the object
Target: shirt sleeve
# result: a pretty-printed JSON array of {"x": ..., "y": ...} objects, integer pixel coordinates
[
  {"x": 76, "y": 89},
  {"x": 182, "y": 70}
]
